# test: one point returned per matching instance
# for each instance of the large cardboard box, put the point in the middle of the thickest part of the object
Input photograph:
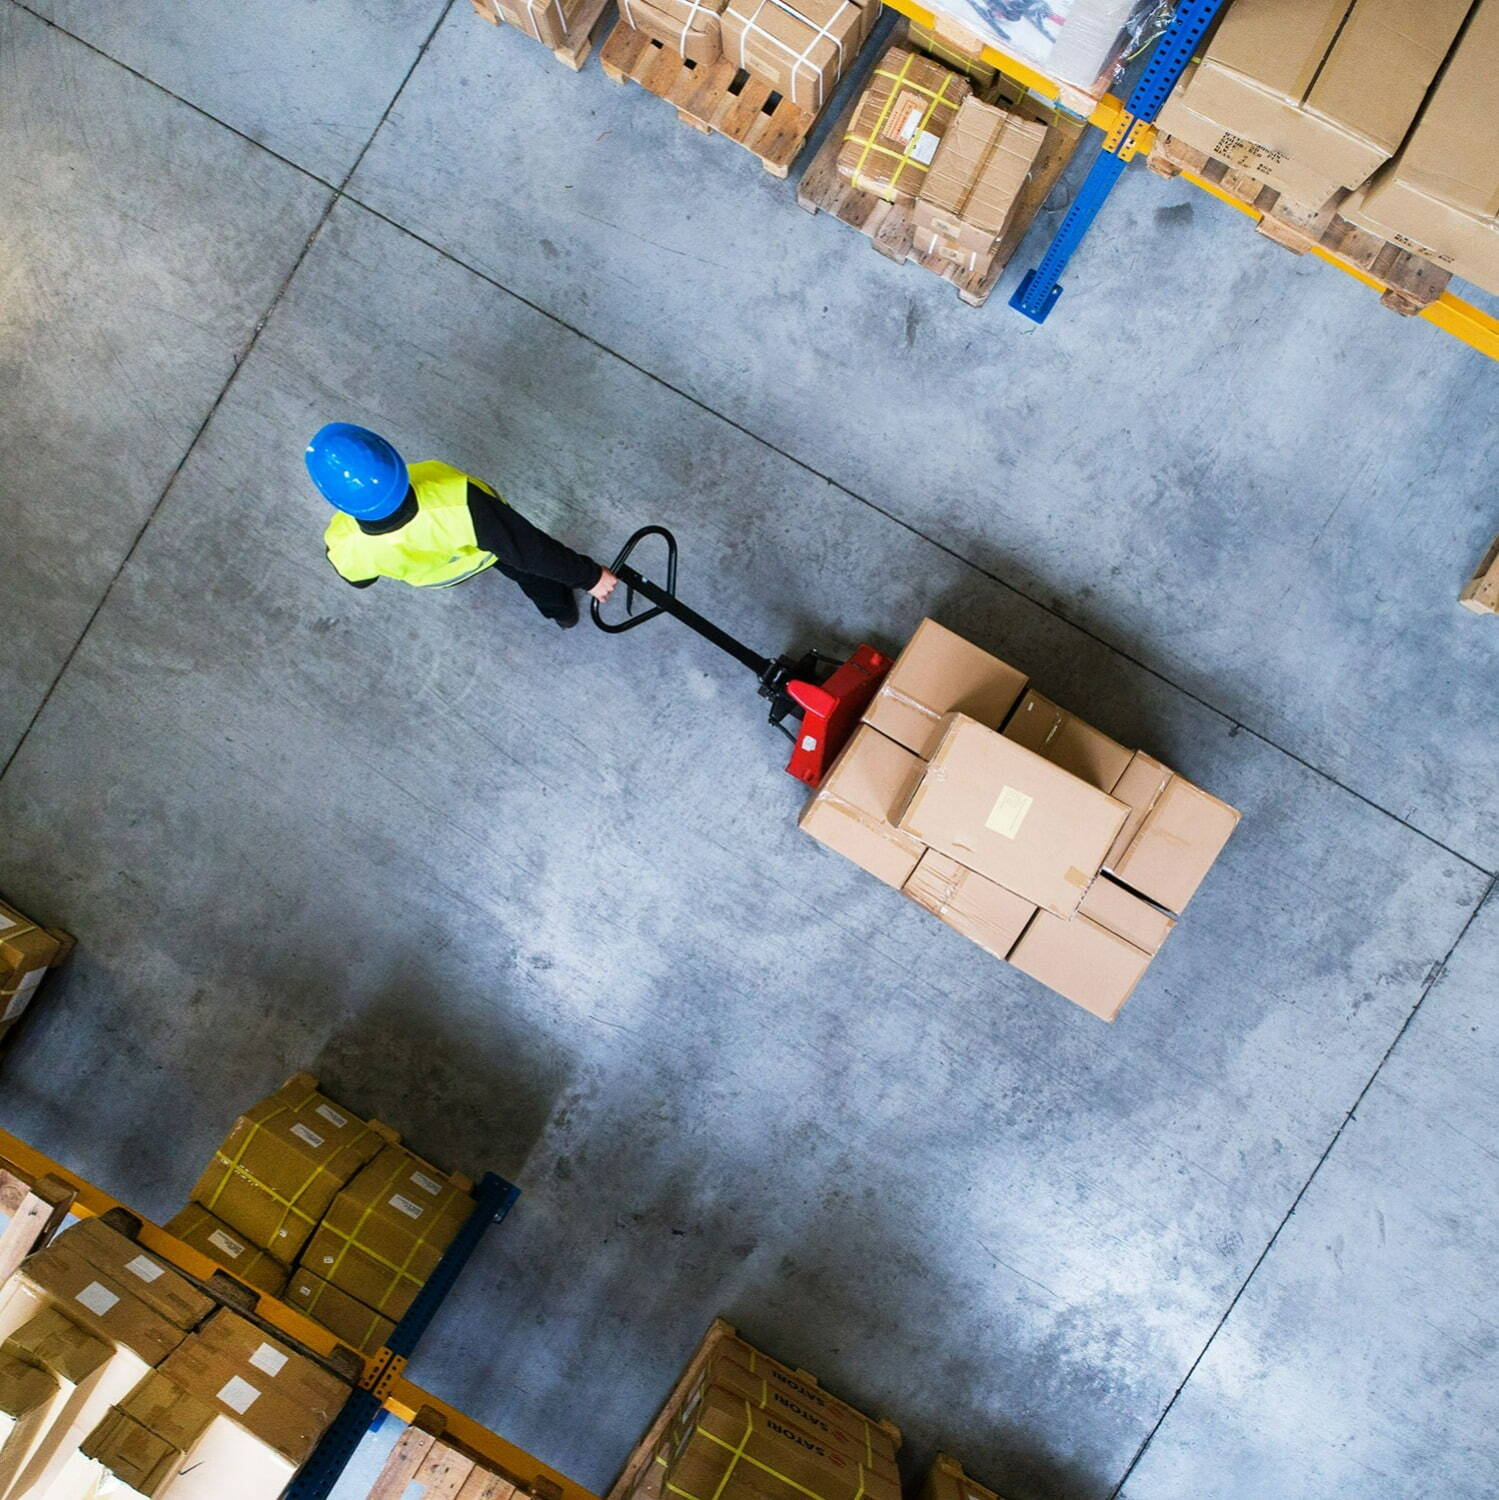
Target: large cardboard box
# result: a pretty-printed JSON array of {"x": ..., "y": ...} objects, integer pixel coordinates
[
  {"x": 149, "y": 1279},
  {"x": 1440, "y": 196},
  {"x": 907, "y": 107},
  {"x": 1082, "y": 960},
  {"x": 1173, "y": 833},
  {"x": 801, "y": 47},
  {"x": 1012, "y": 815},
  {"x": 855, "y": 809},
  {"x": 970, "y": 903},
  {"x": 939, "y": 673},
  {"x": 977, "y": 175},
  {"x": 1311, "y": 96},
  {"x": 1066, "y": 741},
  {"x": 1138, "y": 921},
  {"x": 283, "y": 1164},
  {"x": 385, "y": 1233},
  {"x": 248, "y": 1263},
  {"x": 691, "y": 27},
  {"x": 345, "y": 1317},
  {"x": 549, "y": 21},
  {"x": 144, "y": 1440}
]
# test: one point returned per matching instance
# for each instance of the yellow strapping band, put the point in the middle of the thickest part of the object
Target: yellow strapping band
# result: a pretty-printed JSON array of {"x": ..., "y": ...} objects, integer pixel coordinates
[
  {"x": 737, "y": 1450},
  {"x": 937, "y": 96},
  {"x": 400, "y": 1272}
]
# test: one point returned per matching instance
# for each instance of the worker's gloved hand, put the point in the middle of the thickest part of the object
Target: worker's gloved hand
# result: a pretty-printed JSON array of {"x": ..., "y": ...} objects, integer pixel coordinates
[{"x": 605, "y": 586}]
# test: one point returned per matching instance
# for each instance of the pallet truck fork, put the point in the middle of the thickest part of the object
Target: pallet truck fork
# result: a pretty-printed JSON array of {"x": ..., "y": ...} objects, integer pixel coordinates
[{"x": 827, "y": 693}]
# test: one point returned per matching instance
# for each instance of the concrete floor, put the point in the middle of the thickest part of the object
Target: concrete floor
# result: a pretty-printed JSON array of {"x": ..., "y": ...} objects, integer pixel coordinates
[{"x": 539, "y": 901}]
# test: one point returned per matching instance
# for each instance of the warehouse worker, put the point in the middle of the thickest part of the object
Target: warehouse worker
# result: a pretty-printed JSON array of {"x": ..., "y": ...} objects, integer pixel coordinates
[{"x": 432, "y": 526}]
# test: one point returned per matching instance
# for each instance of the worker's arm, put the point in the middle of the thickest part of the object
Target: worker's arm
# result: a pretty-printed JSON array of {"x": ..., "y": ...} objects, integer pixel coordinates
[
  {"x": 358, "y": 583},
  {"x": 500, "y": 529}
]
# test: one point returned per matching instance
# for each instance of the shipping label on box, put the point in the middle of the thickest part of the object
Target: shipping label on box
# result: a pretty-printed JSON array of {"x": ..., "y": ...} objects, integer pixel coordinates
[
  {"x": 148, "y": 1279},
  {"x": 248, "y": 1263}
]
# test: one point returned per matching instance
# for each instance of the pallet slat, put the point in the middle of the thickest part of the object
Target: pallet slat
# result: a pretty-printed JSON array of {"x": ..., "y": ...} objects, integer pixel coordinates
[{"x": 574, "y": 52}]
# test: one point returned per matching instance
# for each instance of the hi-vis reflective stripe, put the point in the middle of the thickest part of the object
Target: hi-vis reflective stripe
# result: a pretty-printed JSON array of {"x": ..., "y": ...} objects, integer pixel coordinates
[{"x": 462, "y": 576}]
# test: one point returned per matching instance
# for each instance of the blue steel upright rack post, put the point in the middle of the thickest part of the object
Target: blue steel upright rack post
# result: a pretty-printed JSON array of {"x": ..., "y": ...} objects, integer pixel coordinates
[
  {"x": 316, "y": 1478},
  {"x": 1039, "y": 289}
]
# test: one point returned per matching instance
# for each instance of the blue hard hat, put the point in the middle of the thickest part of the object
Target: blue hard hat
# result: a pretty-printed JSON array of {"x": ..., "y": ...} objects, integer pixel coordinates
[{"x": 357, "y": 471}]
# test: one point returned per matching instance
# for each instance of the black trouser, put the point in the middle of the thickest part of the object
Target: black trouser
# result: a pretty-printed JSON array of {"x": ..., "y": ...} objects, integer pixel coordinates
[{"x": 553, "y": 599}]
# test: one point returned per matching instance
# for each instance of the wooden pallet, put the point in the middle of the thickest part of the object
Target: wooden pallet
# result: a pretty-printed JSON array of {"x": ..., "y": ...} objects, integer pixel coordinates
[
  {"x": 424, "y": 1463},
  {"x": 890, "y": 227},
  {"x": 716, "y": 98},
  {"x": 574, "y": 52},
  {"x": 1411, "y": 282},
  {"x": 1481, "y": 592}
]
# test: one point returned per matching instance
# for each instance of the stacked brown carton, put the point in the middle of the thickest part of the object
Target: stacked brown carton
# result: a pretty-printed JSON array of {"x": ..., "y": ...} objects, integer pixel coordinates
[
  {"x": 740, "y": 1426},
  {"x": 27, "y": 952},
  {"x": 549, "y": 21},
  {"x": 968, "y": 196},
  {"x": 946, "y": 1480},
  {"x": 800, "y": 47},
  {"x": 1312, "y": 97},
  {"x": 691, "y": 27},
  {"x": 908, "y": 106},
  {"x": 1048, "y": 844}
]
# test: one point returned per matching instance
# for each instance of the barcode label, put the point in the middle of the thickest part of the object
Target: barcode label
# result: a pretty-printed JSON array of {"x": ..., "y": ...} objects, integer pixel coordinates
[
  {"x": 407, "y": 1207},
  {"x": 312, "y": 1138},
  {"x": 426, "y": 1184},
  {"x": 332, "y": 1116},
  {"x": 144, "y": 1267},
  {"x": 220, "y": 1240}
]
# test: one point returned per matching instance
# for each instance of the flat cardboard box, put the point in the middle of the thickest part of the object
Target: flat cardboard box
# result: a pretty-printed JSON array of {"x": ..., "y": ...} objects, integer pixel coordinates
[
  {"x": 855, "y": 809},
  {"x": 345, "y": 1317},
  {"x": 1174, "y": 833},
  {"x": 1012, "y": 815},
  {"x": 1311, "y": 96},
  {"x": 983, "y": 911},
  {"x": 1067, "y": 741},
  {"x": 144, "y": 1439},
  {"x": 385, "y": 1233},
  {"x": 690, "y": 27},
  {"x": 977, "y": 175},
  {"x": 1081, "y": 960},
  {"x": 149, "y": 1279},
  {"x": 939, "y": 673},
  {"x": 1138, "y": 921},
  {"x": 282, "y": 1165},
  {"x": 1440, "y": 196},
  {"x": 549, "y": 21},
  {"x": 248, "y": 1263},
  {"x": 801, "y": 47},
  {"x": 907, "y": 107}
]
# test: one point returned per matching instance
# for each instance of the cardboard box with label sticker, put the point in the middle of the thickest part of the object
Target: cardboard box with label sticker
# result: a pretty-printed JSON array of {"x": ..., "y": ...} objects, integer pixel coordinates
[
  {"x": 854, "y": 810},
  {"x": 287, "y": 1372},
  {"x": 248, "y": 1263},
  {"x": 1440, "y": 196},
  {"x": 1173, "y": 833},
  {"x": 689, "y": 27},
  {"x": 1066, "y": 741},
  {"x": 384, "y": 1234},
  {"x": 972, "y": 904},
  {"x": 1312, "y": 96},
  {"x": 282, "y": 1165},
  {"x": 149, "y": 1279},
  {"x": 1012, "y": 815},
  {"x": 345, "y": 1317},
  {"x": 938, "y": 673},
  {"x": 800, "y": 47},
  {"x": 909, "y": 104}
]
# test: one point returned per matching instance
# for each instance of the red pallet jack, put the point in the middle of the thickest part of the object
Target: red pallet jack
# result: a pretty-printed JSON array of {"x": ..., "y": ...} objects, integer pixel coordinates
[{"x": 829, "y": 694}]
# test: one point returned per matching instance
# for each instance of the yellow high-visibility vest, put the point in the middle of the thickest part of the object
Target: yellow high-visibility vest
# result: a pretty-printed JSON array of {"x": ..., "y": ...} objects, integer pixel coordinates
[{"x": 436, "y": 548}]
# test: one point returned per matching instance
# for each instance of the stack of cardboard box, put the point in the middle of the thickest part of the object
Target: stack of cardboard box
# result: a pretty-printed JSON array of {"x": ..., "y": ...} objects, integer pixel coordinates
[
  {"x": 800, "y": 47},
  {"x": 27, "y": 952},
  {"x": 691, "y": 27},
  {"x": 1314, "y": 97},
  {"x": 740, "y": 1426},
  {"x": 549, "y": 21},
  {"x": 946, "y": 1480},
  {"x": 1016, "y": 823}
]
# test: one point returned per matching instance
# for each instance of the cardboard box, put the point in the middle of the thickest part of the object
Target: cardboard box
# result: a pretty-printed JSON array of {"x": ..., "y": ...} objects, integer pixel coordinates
[
  {"x": 1440, "y": 196},
  {"x": 946, "y": 1480},
  {"x": 801, "y": 47},
  {"x": 227, "y": 1463},
  {"x": 345, "y": 1317},
  {"x": 1138, "y": 921},
  {"x": 907, "y": 107},
  {"x": 27, "y": 1394},
  {"x": 384, "y": 1234},
  {"x": 1012, "y": 815},
  {"x": 953, "y": 48},
  {"x": 1173, "y": 833},
  {"x": 282, "y": 1165},
  {"x": 1311, "y": 96},
  {"x": 691, "y": 27},
  {"x": 149, "y": 1279},
  {"x": 53, "y": 1342},
  {"x": 1081, "y": 960},
  {"x": 984, "y": 912},
  {"x": 27, "y": 952},
  {"x": 977, "y": 175},
  {"x": 144, "y": 1439},
  {"x": 1066, "y": 741},
  {"x": 248, "y": 1263},
  {"x": 286, "y": 1373},
  {"x": 939, "y": 673},
  {"x": 549, "y": 21},
  {"x": 855, "y": 809},
  {"x": 940, "y": 247},
  {"x": 726, "y": 1445}
]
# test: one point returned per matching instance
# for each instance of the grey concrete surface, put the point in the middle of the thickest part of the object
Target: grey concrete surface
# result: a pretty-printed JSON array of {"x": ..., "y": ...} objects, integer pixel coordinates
[
  {"x": 140, "y": 244},
  {"x": 537, "y": 899}
]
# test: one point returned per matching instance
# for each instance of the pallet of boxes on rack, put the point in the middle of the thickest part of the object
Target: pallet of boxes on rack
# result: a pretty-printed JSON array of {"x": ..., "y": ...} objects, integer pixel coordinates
[
  {"x": 760, "y": 72},
  {"x": 28, "y": 953},
  {"x": 1363, "y": 128},
  {"x": 942, "y": 161},
  {"x": 564, "y": 27},
  {"x": 741, "y": 1426},
  {"x": 1016, "y": 823}
]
